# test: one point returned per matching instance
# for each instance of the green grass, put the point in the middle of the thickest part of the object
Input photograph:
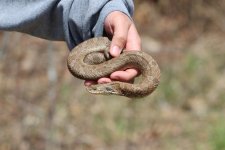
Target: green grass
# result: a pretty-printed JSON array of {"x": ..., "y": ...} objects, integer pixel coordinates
[{"x": 217, "y": 136}]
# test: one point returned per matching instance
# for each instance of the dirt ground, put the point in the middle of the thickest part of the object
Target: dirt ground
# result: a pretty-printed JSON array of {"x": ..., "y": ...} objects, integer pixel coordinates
[{"x": 42, "y": 106}]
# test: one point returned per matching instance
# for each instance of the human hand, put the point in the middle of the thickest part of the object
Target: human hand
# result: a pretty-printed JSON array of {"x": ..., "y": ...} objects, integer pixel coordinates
[{"x": 124, "y": 36}]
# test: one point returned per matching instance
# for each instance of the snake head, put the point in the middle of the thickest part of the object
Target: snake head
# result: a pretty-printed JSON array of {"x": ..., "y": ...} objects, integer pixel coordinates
[{"x": 106, "y": 89}]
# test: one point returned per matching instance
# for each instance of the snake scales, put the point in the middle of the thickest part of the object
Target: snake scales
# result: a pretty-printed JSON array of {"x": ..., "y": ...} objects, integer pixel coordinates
[{"x": 90, "y": 60}]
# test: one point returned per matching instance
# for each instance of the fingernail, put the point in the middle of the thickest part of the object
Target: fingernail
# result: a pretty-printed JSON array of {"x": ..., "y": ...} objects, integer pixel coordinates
[{"x": 116, "y": 51}]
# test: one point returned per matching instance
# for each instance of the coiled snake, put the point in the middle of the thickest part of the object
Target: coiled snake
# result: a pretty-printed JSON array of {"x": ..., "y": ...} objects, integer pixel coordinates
[{"x": 90, "y": 60}]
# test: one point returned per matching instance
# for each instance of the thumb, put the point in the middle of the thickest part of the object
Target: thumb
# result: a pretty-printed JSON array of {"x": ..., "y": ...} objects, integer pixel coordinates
[
  {"x": 117, "y": 24},
  {"x": 119, "y": 40}
]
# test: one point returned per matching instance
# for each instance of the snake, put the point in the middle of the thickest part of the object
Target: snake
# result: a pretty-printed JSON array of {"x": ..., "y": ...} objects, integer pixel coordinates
[{"x": 91, "y": 60}]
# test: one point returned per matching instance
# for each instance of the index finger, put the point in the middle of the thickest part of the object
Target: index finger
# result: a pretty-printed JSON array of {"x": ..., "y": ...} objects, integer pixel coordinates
[{"x": 133, "y": 39}]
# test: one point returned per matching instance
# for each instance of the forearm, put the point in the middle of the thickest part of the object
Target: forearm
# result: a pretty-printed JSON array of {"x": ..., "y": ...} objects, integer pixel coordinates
[{"x": 70, "y": 20}]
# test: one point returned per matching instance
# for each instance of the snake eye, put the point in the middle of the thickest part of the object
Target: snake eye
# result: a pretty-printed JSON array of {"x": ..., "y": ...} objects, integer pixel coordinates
[
  {"x": 94, "y": 88},
  {"x": 109, "y": 89}
]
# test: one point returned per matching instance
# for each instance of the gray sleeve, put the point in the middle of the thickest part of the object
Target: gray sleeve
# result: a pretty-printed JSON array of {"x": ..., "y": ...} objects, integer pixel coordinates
[{"x": 72, "y": 21}]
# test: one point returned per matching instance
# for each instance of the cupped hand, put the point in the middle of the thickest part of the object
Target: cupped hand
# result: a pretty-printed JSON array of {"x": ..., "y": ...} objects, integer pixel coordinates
[{"x": 123, "y": 32}]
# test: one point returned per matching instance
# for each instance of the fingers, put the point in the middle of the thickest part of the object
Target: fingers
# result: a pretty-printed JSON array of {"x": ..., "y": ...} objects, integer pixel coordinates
[
  {"x": 104, "y": 80},
  {"x": 132, "y": 42},
  {"x": 119, "y": 39},
  {"x": 89, "y": 82},
  {"x": 124, "y": 76},
  {"x": 118, "y": 43},
  {"x": 124, "y": 36},
  {"x": 133, "y": 39},
  {"x": 99, "y": 81},
  {"x": 117, "y": 25}
]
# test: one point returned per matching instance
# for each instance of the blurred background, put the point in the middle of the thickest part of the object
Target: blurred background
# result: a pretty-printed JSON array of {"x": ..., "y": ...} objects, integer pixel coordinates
[{"x": 42, "y": 106}]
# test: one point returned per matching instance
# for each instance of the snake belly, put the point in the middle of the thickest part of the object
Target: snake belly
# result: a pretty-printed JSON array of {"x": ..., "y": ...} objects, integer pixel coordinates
[{"x": 84, "y": 65}]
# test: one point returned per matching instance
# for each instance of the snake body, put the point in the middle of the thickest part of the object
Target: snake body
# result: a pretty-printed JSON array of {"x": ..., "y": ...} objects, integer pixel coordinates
[{"x": 89, "y": 61}]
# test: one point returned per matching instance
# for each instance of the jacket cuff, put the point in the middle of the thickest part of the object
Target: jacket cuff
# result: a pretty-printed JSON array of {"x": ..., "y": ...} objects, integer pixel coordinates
[{"x": 126, "y": 7}]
